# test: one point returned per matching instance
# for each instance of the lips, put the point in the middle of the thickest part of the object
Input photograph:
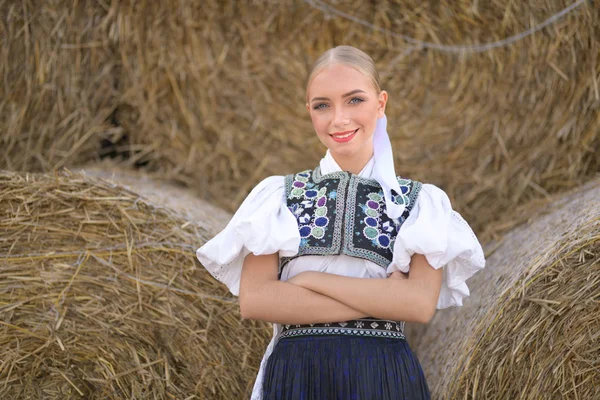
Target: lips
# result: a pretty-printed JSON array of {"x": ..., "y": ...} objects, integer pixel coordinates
[{"x": 346, "y": 136}]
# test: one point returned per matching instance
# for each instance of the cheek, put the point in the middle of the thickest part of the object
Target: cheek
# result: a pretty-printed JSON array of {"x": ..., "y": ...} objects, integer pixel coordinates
[
  {"x": 319, "y": 122},
  {"x": 371, "y": 114},
  {"x": 369, "y": 121}
]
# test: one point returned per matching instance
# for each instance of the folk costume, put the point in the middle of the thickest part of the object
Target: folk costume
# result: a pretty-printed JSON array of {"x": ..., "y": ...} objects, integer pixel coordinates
[{"x": 366, "y": 225}]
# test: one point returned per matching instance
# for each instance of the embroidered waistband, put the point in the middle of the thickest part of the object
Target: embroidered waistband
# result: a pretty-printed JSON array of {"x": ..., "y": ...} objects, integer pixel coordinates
[{"x": 357, "y": 327}]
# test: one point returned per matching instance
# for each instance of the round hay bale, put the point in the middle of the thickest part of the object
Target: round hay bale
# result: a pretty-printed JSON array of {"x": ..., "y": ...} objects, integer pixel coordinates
[
  {"x": 101, "y": 297},
  {"x": 219, "y": 89},
  {"x": 59, "y": 90},
  {"x": 162, "y": 192},
  {"x": 212, "y": 93},
  {"x": 530, "y": 329}
]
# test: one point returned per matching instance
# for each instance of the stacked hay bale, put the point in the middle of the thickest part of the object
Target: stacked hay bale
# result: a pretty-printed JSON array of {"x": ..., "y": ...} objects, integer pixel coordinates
[
  {"x": 101, "y": 296},
  {"x": 530, "y": 328},
  {"x": 59, "y": 91},
  {"x": 212, "y": 93},
  {"x": 163, "y": 193}
]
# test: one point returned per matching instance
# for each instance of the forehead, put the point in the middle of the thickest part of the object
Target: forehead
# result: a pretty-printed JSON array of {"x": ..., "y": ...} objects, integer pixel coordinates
[{"x": 337, "y": 79}]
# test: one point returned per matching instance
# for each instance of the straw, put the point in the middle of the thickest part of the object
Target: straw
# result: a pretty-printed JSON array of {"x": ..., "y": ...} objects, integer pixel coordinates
[
  {"x": 530, "y": 328},
  {"x": 211, "y": 94},
  {"x": 101, "y": 296}
]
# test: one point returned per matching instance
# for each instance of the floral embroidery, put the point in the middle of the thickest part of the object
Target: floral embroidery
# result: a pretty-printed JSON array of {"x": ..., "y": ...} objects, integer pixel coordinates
[
  {"x": 402, "y": 198},
  {"x": 343, "y": 213},
  {"x": 312, "y": 211},
  {"x": 381, "y": 234}
]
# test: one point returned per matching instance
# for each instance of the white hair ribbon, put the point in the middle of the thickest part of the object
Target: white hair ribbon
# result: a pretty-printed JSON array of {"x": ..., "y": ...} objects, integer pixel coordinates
[{"x": 383, "y": 170}]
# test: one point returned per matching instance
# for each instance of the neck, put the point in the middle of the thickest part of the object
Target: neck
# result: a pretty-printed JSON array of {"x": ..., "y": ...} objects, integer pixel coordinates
[{"x": 354, "y": 163}]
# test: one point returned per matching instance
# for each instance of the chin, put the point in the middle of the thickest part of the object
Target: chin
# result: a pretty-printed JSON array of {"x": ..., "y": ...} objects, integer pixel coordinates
[{"x": 344, "y": 151}]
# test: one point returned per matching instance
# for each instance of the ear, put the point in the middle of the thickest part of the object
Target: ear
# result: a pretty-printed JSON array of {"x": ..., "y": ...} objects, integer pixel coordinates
[
  {"x": 382, "y": 99},
  {"x": 307, "y": 108}
]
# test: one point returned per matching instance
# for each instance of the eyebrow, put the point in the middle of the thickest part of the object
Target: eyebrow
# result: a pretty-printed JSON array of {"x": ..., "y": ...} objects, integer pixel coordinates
[{"x": 344, "y": 95}]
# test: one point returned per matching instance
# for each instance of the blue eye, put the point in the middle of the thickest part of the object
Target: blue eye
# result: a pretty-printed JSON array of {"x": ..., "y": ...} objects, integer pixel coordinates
[
  {"x": 356, "y": 100},
  {"x": 319, "y": 106}
]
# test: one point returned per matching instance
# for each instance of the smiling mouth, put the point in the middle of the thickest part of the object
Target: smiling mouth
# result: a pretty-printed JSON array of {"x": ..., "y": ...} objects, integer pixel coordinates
[{"x": 343, "y": 136}]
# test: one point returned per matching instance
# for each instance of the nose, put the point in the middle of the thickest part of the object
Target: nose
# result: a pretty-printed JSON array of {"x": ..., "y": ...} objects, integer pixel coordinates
[{"x": 340, "y": 118}]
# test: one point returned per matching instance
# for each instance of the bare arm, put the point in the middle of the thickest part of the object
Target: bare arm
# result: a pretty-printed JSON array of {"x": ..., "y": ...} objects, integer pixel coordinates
[
  {"x": 264, "y": 297},
  {"x": 413, "y": 299}
]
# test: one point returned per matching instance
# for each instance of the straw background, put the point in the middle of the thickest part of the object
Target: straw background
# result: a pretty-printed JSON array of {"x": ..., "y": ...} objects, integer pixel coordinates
[
  {"x": 530, "y": 328},
  {"x": 101, "y": 297},
  {"x": 162, "y": 193},
  {"x": 212, "y": 93},
  {"x": 209, "y": 96}
]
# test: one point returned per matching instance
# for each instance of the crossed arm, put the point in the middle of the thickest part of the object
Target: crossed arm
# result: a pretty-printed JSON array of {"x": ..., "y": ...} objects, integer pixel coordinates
[{"x": 312, "y": 297}]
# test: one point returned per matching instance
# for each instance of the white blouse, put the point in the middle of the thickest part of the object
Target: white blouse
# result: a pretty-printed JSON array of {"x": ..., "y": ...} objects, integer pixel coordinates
[{"x": 264, "y": 225}]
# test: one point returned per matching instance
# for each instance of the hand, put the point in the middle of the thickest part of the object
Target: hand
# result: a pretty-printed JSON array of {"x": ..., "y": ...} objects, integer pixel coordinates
[{"x": 398, "y": 275}]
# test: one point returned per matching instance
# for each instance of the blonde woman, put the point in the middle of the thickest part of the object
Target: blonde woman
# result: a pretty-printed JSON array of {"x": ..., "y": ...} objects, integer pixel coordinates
[{"x": 337, "y": 257}]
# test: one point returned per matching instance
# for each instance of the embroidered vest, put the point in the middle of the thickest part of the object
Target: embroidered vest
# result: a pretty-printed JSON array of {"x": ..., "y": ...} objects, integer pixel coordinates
[{"x": 343, "y": 213}]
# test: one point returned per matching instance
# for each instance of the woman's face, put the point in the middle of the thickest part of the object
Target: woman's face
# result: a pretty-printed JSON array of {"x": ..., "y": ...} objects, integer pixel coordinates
[{"x": 344, "y": 107}]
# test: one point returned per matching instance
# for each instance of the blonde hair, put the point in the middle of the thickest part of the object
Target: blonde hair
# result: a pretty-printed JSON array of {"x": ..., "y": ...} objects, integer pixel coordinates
[{"x": 350, "y": 56}]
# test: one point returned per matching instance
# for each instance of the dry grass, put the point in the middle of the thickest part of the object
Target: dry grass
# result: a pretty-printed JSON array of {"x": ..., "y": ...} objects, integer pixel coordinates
[
  {"x": 212, "y": 93},
  {"x": 163, "y": 193},
  {"x": 101, "y": 297},
  {"x": 530, "y": 328}
]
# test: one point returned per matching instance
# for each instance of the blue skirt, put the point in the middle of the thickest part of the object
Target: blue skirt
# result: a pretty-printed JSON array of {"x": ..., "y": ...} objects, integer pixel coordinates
[{"x": 337, "y": 367}]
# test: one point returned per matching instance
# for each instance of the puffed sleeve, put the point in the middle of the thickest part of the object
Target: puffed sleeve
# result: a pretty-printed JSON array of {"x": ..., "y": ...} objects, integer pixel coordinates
[
  {"x": 262, "y": 225},
  {"x": 445, "y": 239}
]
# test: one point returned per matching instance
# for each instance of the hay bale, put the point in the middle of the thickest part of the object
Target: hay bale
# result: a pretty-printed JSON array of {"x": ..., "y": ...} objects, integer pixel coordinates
[
  {"x": 161, "y": 192},
  {"x": 59, "y": 74},
  {"x": 101, "y": 297},
  {"x": 211, "y": 93},
  {"x": 530, "y": 328},
  {"x": 495, "y": 129}
]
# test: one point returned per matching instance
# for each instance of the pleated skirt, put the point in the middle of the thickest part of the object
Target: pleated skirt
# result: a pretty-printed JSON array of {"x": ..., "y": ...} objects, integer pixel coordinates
[{"x": 335, "y": 367}]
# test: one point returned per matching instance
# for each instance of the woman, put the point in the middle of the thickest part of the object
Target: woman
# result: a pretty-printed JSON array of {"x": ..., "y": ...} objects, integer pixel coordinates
[{"x": 299, "y": 248}]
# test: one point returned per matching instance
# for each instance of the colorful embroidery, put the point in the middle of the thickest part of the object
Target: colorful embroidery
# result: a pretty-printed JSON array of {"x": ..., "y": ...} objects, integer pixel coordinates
[
  {"x": 343, "y": 213},
  {"x": 381, "y": 233},
  {"x": 311, "y": 212},
  {"x": 403, "y": 198}
]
